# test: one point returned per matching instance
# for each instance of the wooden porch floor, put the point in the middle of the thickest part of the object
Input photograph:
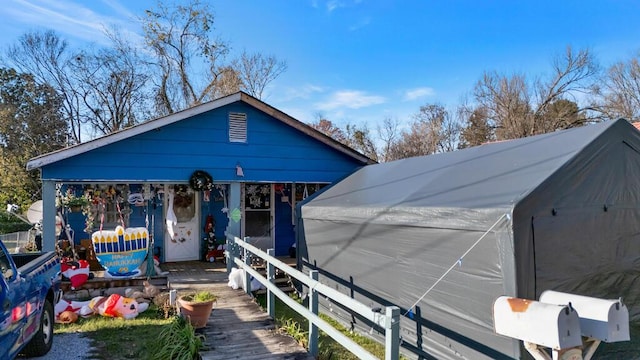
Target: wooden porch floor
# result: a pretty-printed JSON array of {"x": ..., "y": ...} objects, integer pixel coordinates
[{"x": 237, "y": 327}]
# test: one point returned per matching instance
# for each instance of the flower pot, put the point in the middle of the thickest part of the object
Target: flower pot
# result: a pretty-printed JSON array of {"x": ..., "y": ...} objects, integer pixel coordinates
[{"x": 197, "y": 313}]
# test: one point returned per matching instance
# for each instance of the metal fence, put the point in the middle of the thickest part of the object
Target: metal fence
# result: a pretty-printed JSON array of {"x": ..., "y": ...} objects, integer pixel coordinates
[
  {"x": 14, "y": 240},
  {"x": 387, "y": 319}
]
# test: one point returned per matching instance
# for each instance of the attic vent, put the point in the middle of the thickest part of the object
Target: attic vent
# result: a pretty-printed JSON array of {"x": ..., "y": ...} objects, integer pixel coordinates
[{"x": 237, "y": 127}]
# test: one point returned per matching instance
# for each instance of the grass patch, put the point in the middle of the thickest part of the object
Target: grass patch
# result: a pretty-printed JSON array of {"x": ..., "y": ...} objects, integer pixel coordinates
[
  {"x": 297, "y": 326},
  {"x": 117, "y": 338}
]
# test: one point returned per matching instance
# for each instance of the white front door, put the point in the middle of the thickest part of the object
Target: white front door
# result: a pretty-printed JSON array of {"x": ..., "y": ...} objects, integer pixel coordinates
[
  {"x": 258, "y": 215},
  {"x": 182, "y": 239}
]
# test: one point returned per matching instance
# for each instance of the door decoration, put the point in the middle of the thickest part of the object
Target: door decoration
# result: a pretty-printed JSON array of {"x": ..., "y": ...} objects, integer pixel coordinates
[
  {"x": 213, "y": 249},
  {"x": 121, "y": 251},
  {"x": 201, "y": 180},
  {"x": 171, "y": 218}
]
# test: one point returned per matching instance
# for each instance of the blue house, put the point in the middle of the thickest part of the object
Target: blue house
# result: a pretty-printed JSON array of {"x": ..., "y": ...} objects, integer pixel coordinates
[{"x": 234, "y": 164}]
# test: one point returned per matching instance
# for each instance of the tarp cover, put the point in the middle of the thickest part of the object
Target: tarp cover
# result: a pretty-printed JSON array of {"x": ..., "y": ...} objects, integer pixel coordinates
[{"x": 556, "y": 211}]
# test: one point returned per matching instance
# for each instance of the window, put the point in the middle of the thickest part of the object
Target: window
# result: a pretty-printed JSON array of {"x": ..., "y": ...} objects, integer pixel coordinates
[
  {"x": 184, "y": 203},
  {"x": 306, "y": 189},
  {"x": 5, "y": 266},
  {"x": 237, "y": 127}
]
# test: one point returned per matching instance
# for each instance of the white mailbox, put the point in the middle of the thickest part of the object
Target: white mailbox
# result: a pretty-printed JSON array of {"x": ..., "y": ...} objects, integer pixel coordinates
[
  {"x": 548, "y": 325},
  {"x": 605, "y": 320}
]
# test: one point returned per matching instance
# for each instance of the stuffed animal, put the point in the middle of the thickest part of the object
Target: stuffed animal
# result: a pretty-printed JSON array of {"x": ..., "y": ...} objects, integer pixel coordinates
[
  {"x": 77, "y": 272},
  {"x": 148, "y": 292},
  {"x": 116, "y": 306}
]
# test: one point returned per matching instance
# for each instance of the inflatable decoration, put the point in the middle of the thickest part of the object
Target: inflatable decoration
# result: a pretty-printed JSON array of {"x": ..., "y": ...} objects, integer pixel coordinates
[
  {"x": 77, "y": 272},
  {"x": 121, "y": 251},
  {"x": 117, "y": 306},
  {"x": 67, "y": 311}
]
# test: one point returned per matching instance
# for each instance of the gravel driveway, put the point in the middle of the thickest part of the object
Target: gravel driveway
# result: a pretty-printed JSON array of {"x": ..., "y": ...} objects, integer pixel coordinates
[{"x": 69, "y": 346}]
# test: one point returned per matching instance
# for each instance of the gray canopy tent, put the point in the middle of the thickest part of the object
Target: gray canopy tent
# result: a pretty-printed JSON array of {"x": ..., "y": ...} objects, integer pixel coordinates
[{"x": 442, "y": 236}]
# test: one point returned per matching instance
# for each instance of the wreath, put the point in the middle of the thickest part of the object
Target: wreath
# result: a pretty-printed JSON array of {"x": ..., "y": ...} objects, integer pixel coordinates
[{"x": 201, "y": 180}]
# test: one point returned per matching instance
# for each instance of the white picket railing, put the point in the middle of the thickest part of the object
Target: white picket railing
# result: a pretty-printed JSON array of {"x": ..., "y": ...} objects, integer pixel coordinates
[{"x": 389, "y": 319}]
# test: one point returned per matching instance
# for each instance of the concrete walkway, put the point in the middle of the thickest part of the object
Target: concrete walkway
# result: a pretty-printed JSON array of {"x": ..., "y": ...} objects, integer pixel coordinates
[{"x": 237, "y": 327}]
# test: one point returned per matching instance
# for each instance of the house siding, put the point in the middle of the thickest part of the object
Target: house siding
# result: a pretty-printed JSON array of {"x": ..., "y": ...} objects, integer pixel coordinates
[{"x": 274, "y": 152}]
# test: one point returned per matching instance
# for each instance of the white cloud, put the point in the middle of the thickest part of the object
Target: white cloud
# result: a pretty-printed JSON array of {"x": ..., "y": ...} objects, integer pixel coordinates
[
  {"x": 351, "y": 99},
  {"x": 413, "y": 94},
  {"x": 119, "y": 8},
  {"x": 300, "y": 92},
  {"x": 360, "y": 24},
  {"x": 334, "y": 4},
  {"x": 68, "y": 18}
]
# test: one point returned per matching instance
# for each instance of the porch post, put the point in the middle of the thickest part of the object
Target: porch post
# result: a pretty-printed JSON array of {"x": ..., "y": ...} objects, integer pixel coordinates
[
  {"x": 48, "y": 215},
  {"x": 233, "y": 227},
  {"x": 235, "y": 194}
]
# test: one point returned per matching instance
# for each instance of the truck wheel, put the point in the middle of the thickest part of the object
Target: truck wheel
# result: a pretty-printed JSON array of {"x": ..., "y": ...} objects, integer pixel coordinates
[{"x": 42, "y": 341}]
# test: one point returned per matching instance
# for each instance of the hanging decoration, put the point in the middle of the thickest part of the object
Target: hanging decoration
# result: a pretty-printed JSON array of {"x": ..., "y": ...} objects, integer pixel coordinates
[
  {"x": 213, "y": 249},
  {"x": 121, "y": 251},
  {"x": 201, "y": 180}
]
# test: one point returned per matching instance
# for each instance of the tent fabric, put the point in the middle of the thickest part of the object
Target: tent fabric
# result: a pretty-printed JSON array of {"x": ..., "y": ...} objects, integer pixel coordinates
[{"x": 565, "y": 212}]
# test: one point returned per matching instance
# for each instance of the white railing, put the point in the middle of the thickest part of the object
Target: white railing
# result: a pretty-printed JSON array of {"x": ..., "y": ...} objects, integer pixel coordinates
[{"x": 389, "y": 320}]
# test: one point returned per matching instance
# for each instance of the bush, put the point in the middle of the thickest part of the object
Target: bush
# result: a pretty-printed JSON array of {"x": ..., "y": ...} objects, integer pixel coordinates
[{"x": 179, "y": 341}]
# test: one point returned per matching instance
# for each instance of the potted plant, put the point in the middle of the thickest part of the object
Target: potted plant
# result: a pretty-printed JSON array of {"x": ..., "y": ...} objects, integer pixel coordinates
[
  {"x": 197, "y": 307},
  {"x": 74, "y": 202}
]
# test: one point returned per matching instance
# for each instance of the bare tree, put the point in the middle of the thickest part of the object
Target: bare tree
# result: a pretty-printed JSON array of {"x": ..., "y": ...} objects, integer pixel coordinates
[
  {"x": 356, "y": 137},
  {"x": 47, "y": 57},
  {"x": 517, "y": 108},
  {"x": 186, "y": 53},
  {"x": 621, "y": 90},
  {"x": 111, "y": 83},
  {"x": 574, "y": 75},
  {"x": 388, "y": 134},
  {"x": 433, "y": 130},
  {"x": 228, "y": 82},
  {"x": 256, "y": 71},
  {"x": 506, "y": 100},
  {"x": 327, "y": 127}
]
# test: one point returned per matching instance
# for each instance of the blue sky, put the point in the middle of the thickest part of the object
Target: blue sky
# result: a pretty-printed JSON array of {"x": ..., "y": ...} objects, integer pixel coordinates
[{"x": 359, "y": 61}]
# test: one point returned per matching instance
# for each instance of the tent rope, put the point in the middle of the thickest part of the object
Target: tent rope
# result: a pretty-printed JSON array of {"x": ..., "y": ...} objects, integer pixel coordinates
[{"x": 457, "y": 262}]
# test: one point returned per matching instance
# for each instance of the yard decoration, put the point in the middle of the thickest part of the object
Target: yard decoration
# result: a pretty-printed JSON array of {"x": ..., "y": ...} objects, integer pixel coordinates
[
  {"x": 148, "y": 292},
  {"x": 237, "y": 280},
  {"x": 64, "y": 308},
  {"x": 77, "y": 272},
  {"x": 121, "y": 251},
  {"x": 213, "y": 249},
  {"x": 156, "y": 267},
  {"x": 116, "y": 306}
]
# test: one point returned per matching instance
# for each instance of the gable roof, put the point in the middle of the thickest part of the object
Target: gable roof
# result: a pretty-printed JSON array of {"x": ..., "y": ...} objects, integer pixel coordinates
[{"x": 117, "y": 136}]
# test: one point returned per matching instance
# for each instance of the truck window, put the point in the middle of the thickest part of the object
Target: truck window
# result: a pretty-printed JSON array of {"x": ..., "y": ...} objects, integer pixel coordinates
[{"x": 5, "y": 265}]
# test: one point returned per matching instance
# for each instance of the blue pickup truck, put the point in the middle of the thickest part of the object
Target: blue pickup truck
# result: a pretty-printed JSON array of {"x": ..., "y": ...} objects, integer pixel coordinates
[{"x": 29, "y": 289}]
